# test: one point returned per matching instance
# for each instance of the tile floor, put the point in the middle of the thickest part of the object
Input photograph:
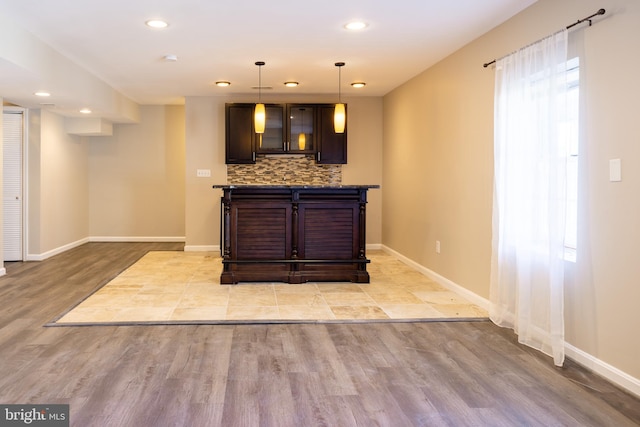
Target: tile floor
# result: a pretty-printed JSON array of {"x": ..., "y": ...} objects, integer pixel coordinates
[{"x": 184, "y": 286}]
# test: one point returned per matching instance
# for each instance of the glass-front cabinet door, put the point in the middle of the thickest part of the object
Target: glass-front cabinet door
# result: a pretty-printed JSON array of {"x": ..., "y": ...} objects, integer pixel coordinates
[
  {"x": 273, "y": 138},
  {"x": 301, "y": 130},
  {"x": 289, "y": 128}
]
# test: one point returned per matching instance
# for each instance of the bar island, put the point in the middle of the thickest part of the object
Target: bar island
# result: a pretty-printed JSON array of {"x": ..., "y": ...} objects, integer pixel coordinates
[{"x": 294, "y": 233}]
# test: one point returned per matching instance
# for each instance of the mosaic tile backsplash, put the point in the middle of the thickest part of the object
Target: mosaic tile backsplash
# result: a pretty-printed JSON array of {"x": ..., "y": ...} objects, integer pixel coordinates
[{"x": 286, "y": 170}]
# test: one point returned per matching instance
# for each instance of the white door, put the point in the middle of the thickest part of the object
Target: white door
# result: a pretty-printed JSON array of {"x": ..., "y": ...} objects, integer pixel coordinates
[{"x": 12, "y": 184}]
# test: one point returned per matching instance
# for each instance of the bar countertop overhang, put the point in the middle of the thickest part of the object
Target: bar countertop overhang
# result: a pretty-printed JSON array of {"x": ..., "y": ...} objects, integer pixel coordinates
[{"x": 294, "y": 186}]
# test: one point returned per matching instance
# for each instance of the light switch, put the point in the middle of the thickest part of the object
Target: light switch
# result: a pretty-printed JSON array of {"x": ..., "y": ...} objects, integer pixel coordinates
[
  {"x": 203, "y": 173},
  {"x": 615, "y": 170}
]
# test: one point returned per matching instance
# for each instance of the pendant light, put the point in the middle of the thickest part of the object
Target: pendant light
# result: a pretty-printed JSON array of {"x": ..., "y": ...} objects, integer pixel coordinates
[
  {"x": 259, "y": 115},
  {"x": 339, "y": 114},
  {"x": 302, "y": 137}
]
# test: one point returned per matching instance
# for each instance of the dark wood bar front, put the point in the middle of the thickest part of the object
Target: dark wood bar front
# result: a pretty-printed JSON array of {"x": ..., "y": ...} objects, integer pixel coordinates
[{"x": 294, "y": 233}]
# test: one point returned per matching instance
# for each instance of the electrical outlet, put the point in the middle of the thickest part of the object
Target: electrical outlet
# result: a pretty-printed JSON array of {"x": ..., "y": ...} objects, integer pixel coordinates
[
  {"x": 203, "y": 173},
  {"x": 437, "y": 246}
]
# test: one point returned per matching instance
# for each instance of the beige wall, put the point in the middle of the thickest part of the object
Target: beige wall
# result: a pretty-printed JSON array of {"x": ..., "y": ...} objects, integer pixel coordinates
[
  {"x": 438, "y": 163},
  {"x": 205, "y": 150},
  {"x": 364, "y": 157},
  {"x": 58, "y": 185},
  {"x": 136, "y": 178},
  {"x": 437, "y": 171}
]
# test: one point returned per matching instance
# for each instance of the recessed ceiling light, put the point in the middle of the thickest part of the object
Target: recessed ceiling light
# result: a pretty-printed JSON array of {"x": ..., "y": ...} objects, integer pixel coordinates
[
  {"x": 157, "y": 23},
  {"x": 291, "y": 84},
  {"x": 42, "y": 93},
  {"x": 355, "y": 25},
  {"x": 223, "y": 83},
  {"x": 85, "y": 111},
  {"x": 171, "y": 58},
  {"x": 358, "y": 84}
]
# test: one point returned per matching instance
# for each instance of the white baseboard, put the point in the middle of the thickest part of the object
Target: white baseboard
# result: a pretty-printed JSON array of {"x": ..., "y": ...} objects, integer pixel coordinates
[
  {"x": 187, "y": 248},
  {"x": 471, "y": 296},
  {"x": 592, "y": 363},
  {"x": 56, "y": 251},
  {"x": 202, "y": 248},
  {"x": 603, "y": 369},
  {"x": 137, "y": 239},
  {"x": 64, "y": 248}
]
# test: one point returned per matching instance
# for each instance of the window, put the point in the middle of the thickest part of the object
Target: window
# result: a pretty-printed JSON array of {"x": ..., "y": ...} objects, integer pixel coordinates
[
  {"x": 569, "y": 132},
  {"x": 567, "y": 129},
  {"x": 535, "y": 190}
]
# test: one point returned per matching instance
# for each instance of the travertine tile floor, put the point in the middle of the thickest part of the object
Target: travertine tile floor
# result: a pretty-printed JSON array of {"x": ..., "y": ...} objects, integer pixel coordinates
[{"x": 184, "y": 286}]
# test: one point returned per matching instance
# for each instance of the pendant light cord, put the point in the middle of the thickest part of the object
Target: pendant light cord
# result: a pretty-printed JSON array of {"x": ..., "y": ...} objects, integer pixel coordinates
[
  {"x": 340, "y": 85},
  {"x": 260, "y": 84},
  {"x": 339, "y": 65},
  {"x": 260, "y": 64}
]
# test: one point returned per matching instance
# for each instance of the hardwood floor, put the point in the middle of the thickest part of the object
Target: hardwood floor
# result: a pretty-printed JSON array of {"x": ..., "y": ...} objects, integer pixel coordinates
[{"x": 385, "y": 374}]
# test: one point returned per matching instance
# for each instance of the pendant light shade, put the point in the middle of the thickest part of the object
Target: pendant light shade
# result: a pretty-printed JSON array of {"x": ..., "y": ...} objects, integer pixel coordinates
[
  {"x": 259, "y": 118},
  {"x": 259, "y": 115},
  {"x": 339, "y": 114},
  {"x": 339, "y": 118}
]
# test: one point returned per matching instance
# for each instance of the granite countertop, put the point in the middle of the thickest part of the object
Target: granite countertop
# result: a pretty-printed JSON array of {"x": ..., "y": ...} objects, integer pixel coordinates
[{"x": 292, "y": 186}]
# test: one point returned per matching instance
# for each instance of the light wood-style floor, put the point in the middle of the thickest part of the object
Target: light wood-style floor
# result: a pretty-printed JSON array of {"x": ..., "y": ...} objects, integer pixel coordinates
[{"x": 379, "y": 374}]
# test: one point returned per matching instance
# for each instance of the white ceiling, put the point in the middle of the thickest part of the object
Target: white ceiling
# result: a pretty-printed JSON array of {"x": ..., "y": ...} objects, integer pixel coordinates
[{"x": 222, "y": 39}]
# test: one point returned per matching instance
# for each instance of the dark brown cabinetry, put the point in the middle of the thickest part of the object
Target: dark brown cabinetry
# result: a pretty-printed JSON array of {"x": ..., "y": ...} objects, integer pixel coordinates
[
  {"x": 240, "y": 135},
  {"x": 332, "y": 146},
  {"x": 290, "y": 129},
  {"x": 294, "y": 234}
]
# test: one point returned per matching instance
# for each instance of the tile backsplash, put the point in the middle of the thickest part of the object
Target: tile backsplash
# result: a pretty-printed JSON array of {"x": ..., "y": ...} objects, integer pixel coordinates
[{"x": 286, "y": 170}]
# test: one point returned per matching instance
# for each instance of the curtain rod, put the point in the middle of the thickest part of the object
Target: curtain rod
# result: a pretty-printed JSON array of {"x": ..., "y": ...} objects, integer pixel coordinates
[{"x": 579, "y": 21}]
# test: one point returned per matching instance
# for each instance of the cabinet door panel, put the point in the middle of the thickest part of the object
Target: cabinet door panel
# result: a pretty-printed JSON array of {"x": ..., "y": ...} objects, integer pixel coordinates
[
  {"x": 301, "y": 129},
  {"x": 239, "y": 133},
  {"x": 329, "y": 232},
  {"x": 263, "y": 232},
  {"x": 273, "y": 138},
  {"x": 332, "y": 147}
]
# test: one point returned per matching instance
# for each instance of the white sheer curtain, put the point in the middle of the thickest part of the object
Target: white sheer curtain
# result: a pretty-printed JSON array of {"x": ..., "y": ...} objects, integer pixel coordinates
[{"x": 527, "y": 271}]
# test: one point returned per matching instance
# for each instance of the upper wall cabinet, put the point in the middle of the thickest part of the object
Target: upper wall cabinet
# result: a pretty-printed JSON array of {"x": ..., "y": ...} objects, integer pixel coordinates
[
  {"x": 289, "y": 128},
  {"x": 332, "y": 146},
  {"x": 239, "y": 134}
]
